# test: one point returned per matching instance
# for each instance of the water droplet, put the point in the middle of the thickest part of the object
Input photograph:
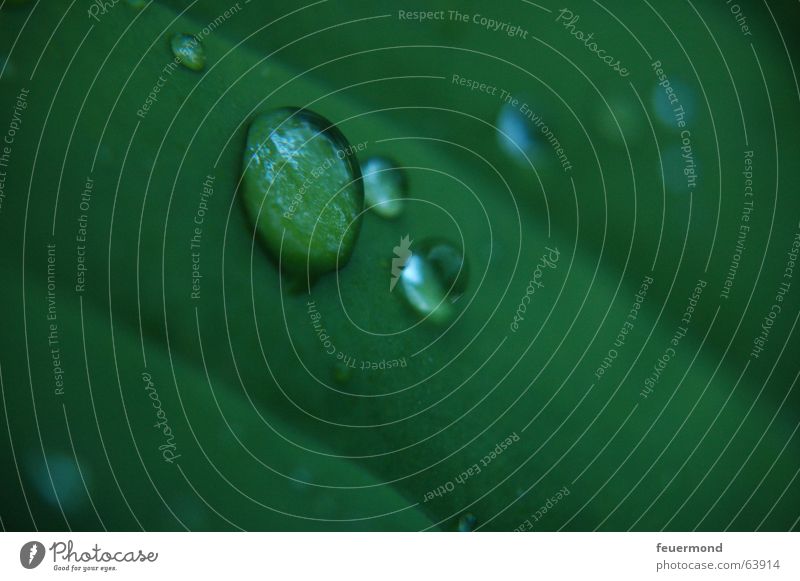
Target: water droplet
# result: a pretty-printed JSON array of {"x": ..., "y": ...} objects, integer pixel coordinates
[
  {"x": 188, "y": 51},
  {"x": 515, "y": 134},
  {"x": 303, "y": 187},
  {"x": 59, "y": 482},
  {"x": 467, "y": 522},
  {"x": 665, "y": 111},
  {"x": 680, "y": 172},
  {"x": 434, "y": 278},
  {"x": 385, "y": 186}
]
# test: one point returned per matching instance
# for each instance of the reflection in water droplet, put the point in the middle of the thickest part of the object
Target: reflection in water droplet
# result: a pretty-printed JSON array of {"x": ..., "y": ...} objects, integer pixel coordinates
[
  {"x": 385, "y": 186},
  {"x": 433, "y": 279},
  {"x": 188, "y": 51},
  {"x": 516, "y": 134},
  {"x": 467, "y": 523},
  {"x": 302, "y": 186}
]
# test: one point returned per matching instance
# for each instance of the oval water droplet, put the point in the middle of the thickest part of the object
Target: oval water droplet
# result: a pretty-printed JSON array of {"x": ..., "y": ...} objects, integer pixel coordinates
[
  {"x": 385, "y": 186},
  {"x": 515, "y": 134},
  {"x": 188, "y": 51},
  {"x": 467, "y": 523},
  {"x": 433, "y": 278},
  {"x": 302, "y": 187}
]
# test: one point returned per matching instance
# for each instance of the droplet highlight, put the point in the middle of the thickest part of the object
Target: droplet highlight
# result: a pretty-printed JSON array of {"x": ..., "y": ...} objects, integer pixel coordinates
[
  {"x": 302, "y": 188},
  {"x": 385, "y": 186},
  {"x": 433, "y": 279},
  {"x": 188, "y": 51}
]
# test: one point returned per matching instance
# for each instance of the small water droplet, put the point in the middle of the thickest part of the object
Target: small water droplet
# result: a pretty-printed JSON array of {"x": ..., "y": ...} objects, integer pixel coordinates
[
  {"x": 669, "y": 112},
  {"x": 385, "y": 186},
  {"x": 188, "y": 51},
  {"x": 434, "y": 278},
  {"x": 467, "y": 522},
  {"x": 303, "y": 189},
  {"x": 59, "y": 481},
  {"x": 516, "y": 134}
]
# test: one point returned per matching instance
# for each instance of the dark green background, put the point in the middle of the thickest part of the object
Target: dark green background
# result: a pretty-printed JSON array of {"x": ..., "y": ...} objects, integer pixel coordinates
[{"x": 263, "y": 444}]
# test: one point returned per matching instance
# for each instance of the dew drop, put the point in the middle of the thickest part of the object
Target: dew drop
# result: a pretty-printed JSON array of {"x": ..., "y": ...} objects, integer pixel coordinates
[
  {"x": 467, "y": 522},
  {"x": 515, "y": 134},
  {"x": 385, "y": 186},
  {"x": 434, "y": 278},
  {"x": 188, "y": 51},
  {"x": 302, "y": 186}
]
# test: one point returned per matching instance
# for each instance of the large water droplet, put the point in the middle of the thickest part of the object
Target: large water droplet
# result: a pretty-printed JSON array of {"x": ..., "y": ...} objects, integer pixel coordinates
[
  {"x": 467, "y": 522},
  {"x": 385, "y": 186},
  {"x": 302, "y": 185},
  {"x": 434, "y": 278},
  {"x": 188, "y": 51}
]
